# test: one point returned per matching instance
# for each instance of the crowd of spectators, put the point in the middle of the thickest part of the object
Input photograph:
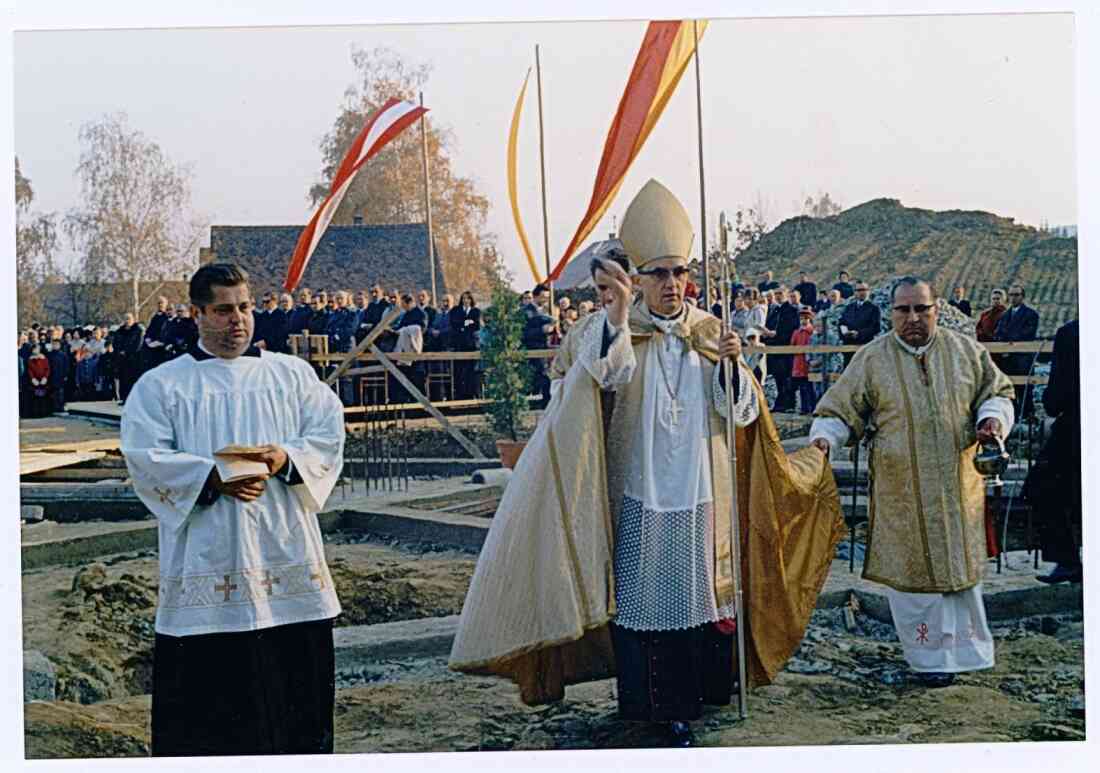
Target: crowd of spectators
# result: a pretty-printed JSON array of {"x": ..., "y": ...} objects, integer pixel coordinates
[
  {"x": 97, "y": 362},
  {"x": 773, "y": 314}
]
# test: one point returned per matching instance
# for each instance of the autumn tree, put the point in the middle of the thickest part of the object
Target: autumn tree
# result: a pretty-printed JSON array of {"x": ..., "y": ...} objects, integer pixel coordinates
[
  {"x": 390, "y": 188},
  {"x": 135, "y": 223},
  {"x": 35, "y": 244}
]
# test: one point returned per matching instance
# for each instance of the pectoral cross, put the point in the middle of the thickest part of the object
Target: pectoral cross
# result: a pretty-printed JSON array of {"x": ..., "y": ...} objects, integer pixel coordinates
[
  {"x": 165, "y": 496},
  {"x": 674, "y": 411}
]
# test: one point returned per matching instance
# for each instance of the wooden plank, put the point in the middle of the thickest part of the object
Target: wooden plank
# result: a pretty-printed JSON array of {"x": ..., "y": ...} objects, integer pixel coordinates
[
  {"x": 530, "y": 354},
  {"x": 463, "y": 441},
  {"x": 366, "y": 343},
  {"x": 32, "y": 461},
  {"x": 77, "y": 475},
  {"x": 99, "y": 444}
]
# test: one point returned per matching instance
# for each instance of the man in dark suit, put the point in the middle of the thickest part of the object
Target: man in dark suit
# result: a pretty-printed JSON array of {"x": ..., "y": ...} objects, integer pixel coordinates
[
  {"x": 768, "y": 283},
  {"x": 302, "y": 314},
  {"x": 960, "y": 302},
  {"x": 844, "y": 286},
  {"x": 152, "y": 350},
  {"x": 1019, "y": 323},
  {"x": 782, "y": 322},
  {"x": 372, "y": 313},
  {"x": 861, "y": 320},
  {"x": 127, "y": 341},
  {"x": 424, "y": 302},
  {"x": 806, "y": 289},
  {"x": 261, "y": 321},
  {"x": 1054, "y": 483}
]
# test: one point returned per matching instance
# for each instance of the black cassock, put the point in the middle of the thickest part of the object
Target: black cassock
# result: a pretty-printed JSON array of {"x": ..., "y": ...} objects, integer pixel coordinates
[
  {"x": 270, "y": 691},
  {"x": 668, "y": 676}
]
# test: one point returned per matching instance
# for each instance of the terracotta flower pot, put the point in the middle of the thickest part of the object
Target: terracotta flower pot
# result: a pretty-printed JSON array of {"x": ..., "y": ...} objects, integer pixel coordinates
[{"x": 509, "y": 451}]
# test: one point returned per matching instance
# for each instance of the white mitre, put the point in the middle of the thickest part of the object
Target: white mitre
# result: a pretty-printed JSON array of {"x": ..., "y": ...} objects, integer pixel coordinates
[{"x": 656, "y": 226}]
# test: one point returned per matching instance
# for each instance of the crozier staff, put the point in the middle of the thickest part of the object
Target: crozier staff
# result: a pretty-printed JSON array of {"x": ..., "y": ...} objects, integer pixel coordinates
[{"x": 243, "y": 659}]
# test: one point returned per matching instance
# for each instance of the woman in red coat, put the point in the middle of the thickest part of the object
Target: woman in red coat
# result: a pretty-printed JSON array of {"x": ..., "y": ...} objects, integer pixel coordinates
[{"x": 38, "y": 374}]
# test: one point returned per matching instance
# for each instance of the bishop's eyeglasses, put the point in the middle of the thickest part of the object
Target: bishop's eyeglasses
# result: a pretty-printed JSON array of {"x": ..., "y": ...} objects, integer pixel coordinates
[{"x": 662, "y": 274}]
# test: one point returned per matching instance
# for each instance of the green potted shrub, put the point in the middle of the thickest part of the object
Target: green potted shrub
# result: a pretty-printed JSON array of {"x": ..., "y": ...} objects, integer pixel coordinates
[{"x": 506, "y": 380}]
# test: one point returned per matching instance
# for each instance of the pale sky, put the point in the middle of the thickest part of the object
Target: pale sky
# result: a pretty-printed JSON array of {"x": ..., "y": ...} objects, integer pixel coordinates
[{"x": 948, "y": 112}]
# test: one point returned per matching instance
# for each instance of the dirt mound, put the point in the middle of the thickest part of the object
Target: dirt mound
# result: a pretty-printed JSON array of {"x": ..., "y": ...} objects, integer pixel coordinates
[
  {"x": 70, "y": 730},
  {"x": 388, "y": 591},
  {"x": 104, "y": 647}
]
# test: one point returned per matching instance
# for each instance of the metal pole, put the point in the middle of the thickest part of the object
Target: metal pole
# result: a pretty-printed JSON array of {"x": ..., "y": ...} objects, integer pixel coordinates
[
  {"x": 428, "y": 198},
  {"x": 735, "y": 521},
  {"x": 542, "y": 178},
  {"x": 702, "y": 184},
  {"x": 852, "y": 522}
]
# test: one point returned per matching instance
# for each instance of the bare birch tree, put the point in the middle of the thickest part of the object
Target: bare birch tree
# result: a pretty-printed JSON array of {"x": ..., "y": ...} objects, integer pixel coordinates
[
  {"x": 135, "y": 223},
  {"x": 35, "y": 244}
]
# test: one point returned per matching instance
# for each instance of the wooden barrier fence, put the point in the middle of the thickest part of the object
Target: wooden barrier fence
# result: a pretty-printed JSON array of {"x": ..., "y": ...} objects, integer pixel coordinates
[{"x": 317, "y": 351}]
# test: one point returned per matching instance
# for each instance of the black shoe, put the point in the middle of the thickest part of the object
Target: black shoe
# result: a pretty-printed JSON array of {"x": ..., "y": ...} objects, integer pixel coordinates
[
  {"x": 680, "y": 735},
  {"x": 1061, "y": 573},
  {"x": 934, "y": 680}
]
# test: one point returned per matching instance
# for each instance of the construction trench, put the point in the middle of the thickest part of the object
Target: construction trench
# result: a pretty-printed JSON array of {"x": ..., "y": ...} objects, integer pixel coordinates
[{"x": 402, "y": 535}]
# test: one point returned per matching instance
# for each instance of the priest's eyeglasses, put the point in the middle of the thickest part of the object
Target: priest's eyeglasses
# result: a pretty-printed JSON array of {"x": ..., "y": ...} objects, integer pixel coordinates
[
  {"x": 662, "y": 274},
  {"x": 920, "y": 308}
]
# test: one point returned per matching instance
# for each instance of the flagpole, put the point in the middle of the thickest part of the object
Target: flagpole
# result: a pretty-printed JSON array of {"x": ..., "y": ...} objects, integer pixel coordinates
[
  {"x": 702, "y": 183},
  {"x": 731, "y": 429},
  {"x": 428, "y": 198},
  {"x": 542, "y": 167}
]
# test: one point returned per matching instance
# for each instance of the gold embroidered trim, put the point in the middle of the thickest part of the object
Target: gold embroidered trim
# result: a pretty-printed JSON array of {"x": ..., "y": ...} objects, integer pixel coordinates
[
  {"x": 242, "y": 587},
  {"x": 912, "y": 435},
  {"x": 567, "y": 527}
]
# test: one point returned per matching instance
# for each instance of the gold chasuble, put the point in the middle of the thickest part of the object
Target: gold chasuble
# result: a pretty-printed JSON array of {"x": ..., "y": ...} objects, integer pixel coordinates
[
  {"x": 543, "y": 593},
  {"x": 927, "y": 518}
]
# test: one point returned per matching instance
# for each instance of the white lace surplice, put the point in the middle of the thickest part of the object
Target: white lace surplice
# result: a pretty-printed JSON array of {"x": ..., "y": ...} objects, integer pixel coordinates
[
  {"x": 235, "y": 566},
  {"x": 664, "y": 547}
]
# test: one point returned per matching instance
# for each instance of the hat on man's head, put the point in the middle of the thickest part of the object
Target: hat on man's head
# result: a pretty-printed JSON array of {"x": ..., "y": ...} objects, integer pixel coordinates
[
  {"x": 805, "y": 311},
  {"x": 656, "y": 226}
]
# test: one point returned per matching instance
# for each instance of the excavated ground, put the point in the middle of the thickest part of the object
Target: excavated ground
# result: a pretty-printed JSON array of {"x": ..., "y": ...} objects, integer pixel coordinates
[{"x": 94, "y": 622}]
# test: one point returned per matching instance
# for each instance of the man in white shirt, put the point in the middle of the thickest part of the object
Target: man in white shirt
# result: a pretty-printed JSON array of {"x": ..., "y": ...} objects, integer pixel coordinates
[{"x": 243, "y": 658}]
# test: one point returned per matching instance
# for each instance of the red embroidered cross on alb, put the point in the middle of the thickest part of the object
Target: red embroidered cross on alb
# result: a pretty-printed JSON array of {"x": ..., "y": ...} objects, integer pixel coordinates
[{"x": 922, "y": 633}]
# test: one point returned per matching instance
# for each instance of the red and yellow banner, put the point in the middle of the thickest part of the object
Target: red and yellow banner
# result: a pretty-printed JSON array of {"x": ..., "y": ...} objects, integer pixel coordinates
[
  {"x": 387, "y": 122},
  {"x": 662, "y": 59}
]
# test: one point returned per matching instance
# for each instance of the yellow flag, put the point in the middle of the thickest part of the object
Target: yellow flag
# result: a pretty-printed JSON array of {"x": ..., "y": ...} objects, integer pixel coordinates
[{"x": 512, "y": 196}]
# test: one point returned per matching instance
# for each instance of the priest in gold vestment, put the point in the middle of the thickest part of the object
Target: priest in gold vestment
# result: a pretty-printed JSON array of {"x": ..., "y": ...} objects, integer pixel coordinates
[
  {"x": 611, "y": 550},
  {"x": 928, "y": 396}
]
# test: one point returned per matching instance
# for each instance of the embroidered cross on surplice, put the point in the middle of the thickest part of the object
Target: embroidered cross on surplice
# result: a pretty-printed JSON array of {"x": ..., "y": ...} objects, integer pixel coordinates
[
  {"x": 165, "y": 495},
  {"x": 269, "y": 582},
  {"x": 922, "y": 633},
  {"x": 226, "y": 587}
]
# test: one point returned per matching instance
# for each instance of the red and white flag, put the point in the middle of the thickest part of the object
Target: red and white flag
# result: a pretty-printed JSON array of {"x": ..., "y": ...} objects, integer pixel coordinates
[{"x": 386, "y": 123}]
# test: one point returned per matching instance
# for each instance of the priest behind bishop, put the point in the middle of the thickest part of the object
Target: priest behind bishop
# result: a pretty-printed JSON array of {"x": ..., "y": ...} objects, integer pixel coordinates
[
  {"x": 243, "y": 658},
  {"x": 928, "y": 396},
  {"x": 611, "y": 550}
]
